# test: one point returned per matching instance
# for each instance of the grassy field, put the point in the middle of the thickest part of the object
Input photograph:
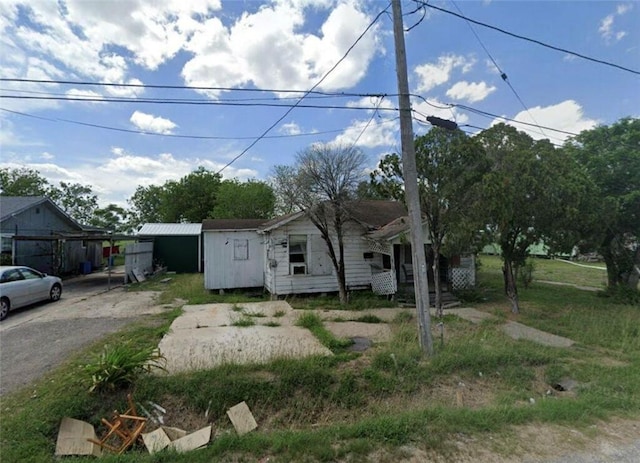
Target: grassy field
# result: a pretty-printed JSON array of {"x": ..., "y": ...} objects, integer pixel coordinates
[{"x": 388, "y": 401}]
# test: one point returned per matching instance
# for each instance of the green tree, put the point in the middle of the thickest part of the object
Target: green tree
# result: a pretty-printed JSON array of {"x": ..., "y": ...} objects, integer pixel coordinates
[
  {"x": 450, "y": 167},
  {"x": 77, "y": 200},
  {"x": 23, "y": 182},
  {"x": 111, "y": 217},
  {"x": 533, "y": 192},
  {"x": 323, "y": 180},
  {"x": 145, "y": 205},
  {"x": 246, "y": 200},
  {"x": 192, "y": 198},
  {"x": 611, "y": 156}
]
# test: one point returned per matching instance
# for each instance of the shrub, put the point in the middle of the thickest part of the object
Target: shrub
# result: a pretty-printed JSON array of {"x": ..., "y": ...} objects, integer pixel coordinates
[{"x": 119, "y": 365}]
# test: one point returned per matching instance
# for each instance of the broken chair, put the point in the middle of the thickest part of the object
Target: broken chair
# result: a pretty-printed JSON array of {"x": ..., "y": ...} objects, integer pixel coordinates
[{"x": 123, "y": 429}]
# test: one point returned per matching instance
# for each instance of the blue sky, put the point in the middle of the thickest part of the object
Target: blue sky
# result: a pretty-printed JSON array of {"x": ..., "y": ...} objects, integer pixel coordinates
[{"x": 288, "y": 45}]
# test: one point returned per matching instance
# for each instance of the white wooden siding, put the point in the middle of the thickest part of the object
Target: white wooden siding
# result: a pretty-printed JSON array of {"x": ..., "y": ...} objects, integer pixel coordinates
[
  {"x": 321, "y": 275},
  {"x": 224, "y": 267}
]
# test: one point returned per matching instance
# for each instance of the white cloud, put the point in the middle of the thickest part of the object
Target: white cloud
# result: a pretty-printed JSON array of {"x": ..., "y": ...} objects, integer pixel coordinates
[
  {"x": 47, "y": 156},
  {"x": 129, "y": 169},
  {"x": 431, "y": 75},
  {"x": 470, "y": 91},
  {"x": 370, "y": 133},
  {"x": 150, "y": 123},
  {"x": 607, "y": 30},
  {"x": 268, "y": 49},
  {"x": 567, "y": 115},
  {"x": 290, "y": 128}
]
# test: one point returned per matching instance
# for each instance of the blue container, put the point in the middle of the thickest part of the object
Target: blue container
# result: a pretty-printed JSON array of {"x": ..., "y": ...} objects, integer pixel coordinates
[{"x": 85, "y": 268}]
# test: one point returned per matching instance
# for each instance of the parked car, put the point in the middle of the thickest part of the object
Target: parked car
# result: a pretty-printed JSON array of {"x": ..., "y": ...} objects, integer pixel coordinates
[{"x": 22, "y": 286}]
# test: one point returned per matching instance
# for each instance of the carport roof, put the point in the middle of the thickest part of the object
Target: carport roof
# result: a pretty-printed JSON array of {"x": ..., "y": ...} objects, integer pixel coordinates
[{"x": 170, "y": 229}]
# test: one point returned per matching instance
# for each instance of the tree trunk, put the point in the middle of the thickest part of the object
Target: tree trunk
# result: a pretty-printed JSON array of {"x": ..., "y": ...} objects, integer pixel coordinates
[{"x": 510, "y": 285}]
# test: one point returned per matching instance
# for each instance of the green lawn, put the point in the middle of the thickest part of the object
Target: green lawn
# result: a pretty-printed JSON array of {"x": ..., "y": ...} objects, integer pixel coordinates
[{"x": 386, "y": 399}]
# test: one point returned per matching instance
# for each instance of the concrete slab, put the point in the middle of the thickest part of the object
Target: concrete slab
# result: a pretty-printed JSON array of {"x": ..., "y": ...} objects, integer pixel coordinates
[
  {"x": 242, "y": 418},
  {"x": 72, "y": 438},
  {"x": 192, "y": 441},
  {"x": 471, "y": 315},
  {"x": 203, "y": 337},
  {"x": 519, "y": 331},
  {"x": 377, "y": 332}
]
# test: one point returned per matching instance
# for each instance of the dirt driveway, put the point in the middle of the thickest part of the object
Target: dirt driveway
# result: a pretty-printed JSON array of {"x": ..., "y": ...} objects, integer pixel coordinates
[{"x": 36, "y": 339}]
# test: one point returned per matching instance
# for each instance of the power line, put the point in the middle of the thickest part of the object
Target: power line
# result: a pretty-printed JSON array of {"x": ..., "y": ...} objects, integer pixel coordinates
[
  {"x": 503, "y": 75},
  {"x": 169, "y": 135},
  {"x": 252, "y": 144},
  {"x": 163, "y": 101},
  {"x": 528, "y": 39},
  {"x": 182, "y": 87}
]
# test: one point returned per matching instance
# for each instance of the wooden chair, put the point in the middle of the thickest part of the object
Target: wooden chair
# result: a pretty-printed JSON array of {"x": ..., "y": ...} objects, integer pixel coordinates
[{"x": 123, "y": 429}]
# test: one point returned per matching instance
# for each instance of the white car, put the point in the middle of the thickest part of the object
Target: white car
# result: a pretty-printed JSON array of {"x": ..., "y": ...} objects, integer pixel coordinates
[{"x": 22, "y": 286}]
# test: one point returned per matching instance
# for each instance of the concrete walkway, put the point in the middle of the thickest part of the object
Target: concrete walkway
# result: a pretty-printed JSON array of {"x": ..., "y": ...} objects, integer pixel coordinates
[{"x": 514, "y": 329}]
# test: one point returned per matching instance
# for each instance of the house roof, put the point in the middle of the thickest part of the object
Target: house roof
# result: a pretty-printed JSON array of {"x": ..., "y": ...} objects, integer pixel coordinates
[
  {"x": 376, "y": 213},
  {"x": 14, "y": 205},
  {"x": 370, "y": 213},
  {"x": 11, "y": 205},
  {"x": 170, "y": 229},
  {"x": 390, "y": 230},
  {"x": 231, "y": 224}
]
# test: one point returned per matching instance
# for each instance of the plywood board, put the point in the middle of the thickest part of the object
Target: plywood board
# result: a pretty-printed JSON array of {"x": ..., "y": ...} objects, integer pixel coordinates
[
  {"x": 156, "y": 440},
  {"x": 139, "y": 275},
  {"x": 72, "y": 438},
  {"x": 174, "y": 433},
  {"x": 242, "y": 418},
  {"x": 192, "y": 441}
]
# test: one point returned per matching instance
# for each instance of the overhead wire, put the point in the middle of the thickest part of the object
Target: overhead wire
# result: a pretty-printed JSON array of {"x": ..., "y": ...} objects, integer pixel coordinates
[
  {"x": 503, "y": 75},
  {"x": 528, "y": 39},
  {"x": 170, "y": 135},
  {"x": 280, "y": 119}
]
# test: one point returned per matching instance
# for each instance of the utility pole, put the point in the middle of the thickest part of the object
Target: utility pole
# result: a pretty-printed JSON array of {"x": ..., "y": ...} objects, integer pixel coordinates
[{"x": 409, "y": 172}]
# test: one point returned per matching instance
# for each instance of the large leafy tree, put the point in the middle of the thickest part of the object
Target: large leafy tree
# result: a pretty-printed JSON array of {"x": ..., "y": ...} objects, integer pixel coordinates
[
  {"x": 533, "y": 192},
  {"x": 450, "y": 166},
  {"x": 112, "y": 217},
  {"x": 322, "y": 182},
  {"x": 75, "y": 199},
  {"x": 190, "y": 199},
  {"x": 244, "y": 200},
  {"x": 611, "y": 155},
  {"x": 23, "y": 182}
]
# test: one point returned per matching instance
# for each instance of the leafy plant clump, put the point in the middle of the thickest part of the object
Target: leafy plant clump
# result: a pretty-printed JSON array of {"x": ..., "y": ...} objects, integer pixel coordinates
[
  {"x": 243, "y": 321},
  {"x": 119, "y": 365}
]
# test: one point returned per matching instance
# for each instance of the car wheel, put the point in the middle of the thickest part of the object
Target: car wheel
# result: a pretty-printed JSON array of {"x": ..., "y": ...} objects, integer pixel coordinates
[
  {"x": 56, "y": 292},
  {"x": 4, "y": 308}
]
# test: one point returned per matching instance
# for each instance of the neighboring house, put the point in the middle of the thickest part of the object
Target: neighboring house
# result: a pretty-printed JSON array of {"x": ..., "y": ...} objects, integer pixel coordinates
[
  {"x": 287, "y": 255},
  {"x": 176, "y": 246},
  {"x": 36, "y": 232},
  {"x": 233, "y": 253}
]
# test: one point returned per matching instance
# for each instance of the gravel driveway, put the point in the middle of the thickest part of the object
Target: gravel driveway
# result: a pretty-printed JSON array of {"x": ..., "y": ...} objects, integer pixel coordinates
[{"x": 36, "y": 339}]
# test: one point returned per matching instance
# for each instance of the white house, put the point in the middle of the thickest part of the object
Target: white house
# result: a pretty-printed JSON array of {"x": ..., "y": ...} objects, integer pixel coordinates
[{"x": 233, "y": 253}]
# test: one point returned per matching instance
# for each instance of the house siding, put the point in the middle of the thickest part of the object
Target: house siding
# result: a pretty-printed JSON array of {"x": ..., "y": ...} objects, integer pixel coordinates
[
  {"x": 320, "y": 275},
  {"x": 225, "y": 263}
]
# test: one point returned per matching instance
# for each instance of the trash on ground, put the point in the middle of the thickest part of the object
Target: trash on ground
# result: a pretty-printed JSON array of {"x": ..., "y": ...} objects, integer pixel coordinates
[
  {"x": 123, "y": 430},
  {"x": 177, "y": 439},
  {"x": 73, "y": 438},
  {"x": 242, "y": 418}
]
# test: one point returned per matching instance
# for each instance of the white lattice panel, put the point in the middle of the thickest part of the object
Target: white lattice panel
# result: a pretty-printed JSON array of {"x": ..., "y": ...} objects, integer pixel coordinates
[
  {"x": 462, "y": 278},
  {"x": 384, "y": 283},
  {"x": 382, "y": 248}
]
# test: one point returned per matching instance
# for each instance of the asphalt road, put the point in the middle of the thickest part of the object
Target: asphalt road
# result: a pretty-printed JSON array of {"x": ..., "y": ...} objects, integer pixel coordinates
[{"x": 35, "y": 339}]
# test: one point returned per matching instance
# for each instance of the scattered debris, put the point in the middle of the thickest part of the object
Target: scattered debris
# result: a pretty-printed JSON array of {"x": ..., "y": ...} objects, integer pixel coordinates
[
  {"x": 166, "y": 280},
  {"x": 124, "y": 429},
  {"x": 177, "y": 439},
  {"x": 565, "y": 385},
  {"x": 242, "y": 418},
  {"x": 73, "y": 438}
]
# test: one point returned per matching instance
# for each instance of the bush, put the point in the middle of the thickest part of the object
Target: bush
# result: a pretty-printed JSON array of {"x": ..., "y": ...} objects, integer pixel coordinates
[
  {"x": 621, "y": 295},
  {"x": 120, "y": 365}
]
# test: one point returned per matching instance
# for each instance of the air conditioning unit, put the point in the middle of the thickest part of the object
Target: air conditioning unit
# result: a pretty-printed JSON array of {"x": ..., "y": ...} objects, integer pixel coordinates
[{"x": 298, "y": 269}]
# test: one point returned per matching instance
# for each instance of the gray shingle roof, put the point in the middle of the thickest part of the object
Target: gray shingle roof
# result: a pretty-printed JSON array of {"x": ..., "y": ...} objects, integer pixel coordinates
[{"x": 10, "y": 205}]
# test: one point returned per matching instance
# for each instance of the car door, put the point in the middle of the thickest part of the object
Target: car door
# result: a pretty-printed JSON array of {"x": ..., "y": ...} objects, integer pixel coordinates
[
  {"x": 14, "y": 287},
  {"x": 35, "y": 285}
]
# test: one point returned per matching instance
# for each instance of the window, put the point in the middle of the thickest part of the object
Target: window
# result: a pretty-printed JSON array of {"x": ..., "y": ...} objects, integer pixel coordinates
[
  {"x": 240, "y": 249},
  {"x": 30, "y": 274},
  {"x": 11, "y": 275},
  {"x": 298, "y": 254}
]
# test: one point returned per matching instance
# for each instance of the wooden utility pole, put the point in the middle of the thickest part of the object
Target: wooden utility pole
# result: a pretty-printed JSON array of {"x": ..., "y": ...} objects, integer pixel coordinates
[{"x": 409, "y": 172}]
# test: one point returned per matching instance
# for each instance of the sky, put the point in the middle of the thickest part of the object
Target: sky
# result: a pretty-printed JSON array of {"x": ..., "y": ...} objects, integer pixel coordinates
[{"x": 248, "y": 57}]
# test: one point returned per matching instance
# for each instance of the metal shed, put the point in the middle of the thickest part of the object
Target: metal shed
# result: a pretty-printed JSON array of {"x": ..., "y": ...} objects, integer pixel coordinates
[{"x": 177, "y": 246}]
